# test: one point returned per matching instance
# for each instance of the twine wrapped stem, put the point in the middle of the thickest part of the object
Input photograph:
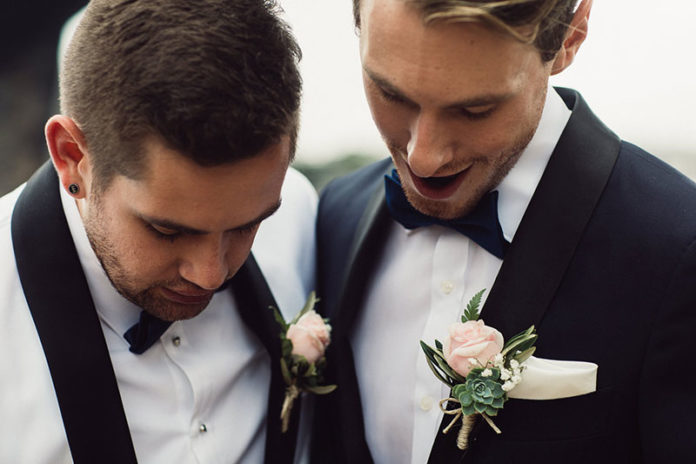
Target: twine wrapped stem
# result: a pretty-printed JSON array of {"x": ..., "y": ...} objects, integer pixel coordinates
[
  {"x": 291, "y": 394},
  {"x": 467, "y": 422}
]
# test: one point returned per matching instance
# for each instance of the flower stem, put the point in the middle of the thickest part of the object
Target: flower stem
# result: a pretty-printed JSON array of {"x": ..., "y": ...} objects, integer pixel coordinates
[
  {"x": 290, "y": 395},
  {"x": 463, "y": 436},
  {"x": 491, "y": 423}
]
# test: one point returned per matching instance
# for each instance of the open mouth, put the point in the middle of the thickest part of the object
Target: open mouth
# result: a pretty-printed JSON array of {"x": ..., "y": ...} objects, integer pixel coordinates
[{"x": 438, "y": 188}]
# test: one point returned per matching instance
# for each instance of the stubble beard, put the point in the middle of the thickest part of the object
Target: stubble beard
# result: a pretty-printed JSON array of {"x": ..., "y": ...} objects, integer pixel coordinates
[
  {"x": 143, "y": 296},
  {"x": 498, "y": 167}
]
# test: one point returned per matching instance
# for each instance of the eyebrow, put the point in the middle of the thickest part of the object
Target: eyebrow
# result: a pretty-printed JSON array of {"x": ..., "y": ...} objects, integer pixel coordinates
[
  {"x": 479, "y": 100},
  {"x": 181, "y": 228}
]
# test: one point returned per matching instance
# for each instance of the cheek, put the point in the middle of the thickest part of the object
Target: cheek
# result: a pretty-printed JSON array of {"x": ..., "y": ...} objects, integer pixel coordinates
[
  {"x": 392, "y": 121},
  {"x": 494, "y": 138},
  {"x": 238, "y": 251},
  {"x": 144, "y": 256}
]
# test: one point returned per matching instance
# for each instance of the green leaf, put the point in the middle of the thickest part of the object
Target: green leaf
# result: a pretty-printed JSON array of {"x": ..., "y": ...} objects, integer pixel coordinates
[
  {"x": 465, "y": 399},
  {"x": 448, "y": 371},
  {"x": 286, "y": 373},
  {"x": 438, "y": 345},
  {"x": 309, "y": 305},
  {"x": 468, "y": 410},
  {"x": 458, "y": 390},
  {"x": 286, "y": 347},
  {"x": 311, "y": 370},
  {"x": 520, "y": 342},
  {"x": 480, "y": 407},
  {"x": 279, "y": 319},
  {"x": 431, "y": 357},
  {"x": 321, "y": 390},
  {"x": 524, "y": 355},
  {"x": 471, "y": 313}
]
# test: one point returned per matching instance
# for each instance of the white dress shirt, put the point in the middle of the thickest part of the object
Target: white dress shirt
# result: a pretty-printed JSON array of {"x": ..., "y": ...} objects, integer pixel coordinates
[
  {"x": 421, "y": 286},
  {"x": 199, "y": 394}
]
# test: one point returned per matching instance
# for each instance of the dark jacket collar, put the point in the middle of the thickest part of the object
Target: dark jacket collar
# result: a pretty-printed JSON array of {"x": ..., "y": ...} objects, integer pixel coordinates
[{"x": 73, "y": 342}]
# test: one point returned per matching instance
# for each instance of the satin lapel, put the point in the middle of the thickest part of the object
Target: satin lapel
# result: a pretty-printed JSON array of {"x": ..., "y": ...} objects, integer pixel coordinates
[
  {"x": 548, "y": 235},
  {"x": 370, "y": 238},
  {"x": 554, "y": 222},
  {"x": 68, "y": 326},
  {"x": 254, "y": 300}
]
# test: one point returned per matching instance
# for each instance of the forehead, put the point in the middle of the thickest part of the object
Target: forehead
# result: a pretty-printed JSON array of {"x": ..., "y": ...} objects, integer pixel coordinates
[
  {"x": 448, "y": 57},
  {"x": 208, "y": 198}
]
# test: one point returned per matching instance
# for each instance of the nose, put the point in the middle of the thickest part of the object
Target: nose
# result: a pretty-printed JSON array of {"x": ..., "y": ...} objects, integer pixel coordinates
[
  {"x": 205, "y": 263},
  {"x": 428, "y": 148}
]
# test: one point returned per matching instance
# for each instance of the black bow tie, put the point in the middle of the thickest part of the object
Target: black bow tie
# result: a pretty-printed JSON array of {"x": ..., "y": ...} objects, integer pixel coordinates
[
  {"x": 143, "y": 334},
  {"x": 146, "y": 332},
  {"x": 481, "y": 225}
]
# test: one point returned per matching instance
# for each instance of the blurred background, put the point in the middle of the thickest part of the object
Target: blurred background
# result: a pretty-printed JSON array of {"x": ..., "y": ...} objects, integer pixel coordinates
[{"x": 636, "y": 70}]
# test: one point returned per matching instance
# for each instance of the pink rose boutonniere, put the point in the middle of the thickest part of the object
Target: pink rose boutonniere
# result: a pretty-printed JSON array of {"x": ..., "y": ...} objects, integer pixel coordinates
[
  {"x": 303, "y": 343},
  {"x": 479, "y": 367}
]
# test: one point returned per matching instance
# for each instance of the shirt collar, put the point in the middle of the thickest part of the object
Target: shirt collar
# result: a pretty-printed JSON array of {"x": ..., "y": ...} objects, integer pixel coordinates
[
  {"x": 116, "y": 311},
  {"x": 517, "y": 188}
]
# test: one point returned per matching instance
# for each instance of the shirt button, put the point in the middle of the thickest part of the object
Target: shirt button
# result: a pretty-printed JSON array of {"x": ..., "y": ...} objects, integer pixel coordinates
[
  {"x": 176, "y": 341},
  {"x": 426, "y": 403},
  {"x": 202, "y": 428},
  {"x": 447, "y": 286}
]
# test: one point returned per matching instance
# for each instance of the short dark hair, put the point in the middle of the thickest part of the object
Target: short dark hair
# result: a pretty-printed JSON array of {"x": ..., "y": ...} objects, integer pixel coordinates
[
  {"x": 544, "y": 22},
  {"x": 215, "y": 80}
]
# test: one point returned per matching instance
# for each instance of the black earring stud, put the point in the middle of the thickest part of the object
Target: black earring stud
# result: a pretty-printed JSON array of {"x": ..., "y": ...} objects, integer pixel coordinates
[{"x": 74, "y": 189}]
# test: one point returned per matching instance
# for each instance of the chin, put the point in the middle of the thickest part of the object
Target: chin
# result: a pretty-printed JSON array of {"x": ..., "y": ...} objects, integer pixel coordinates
[
  {"x": 170, "y": 311},
  {"x": 443, "y": 209}
]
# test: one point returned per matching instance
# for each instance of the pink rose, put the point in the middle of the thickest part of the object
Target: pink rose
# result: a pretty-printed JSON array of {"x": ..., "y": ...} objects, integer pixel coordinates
[
  {"x": 310, "y": 336},
  {"x": 471, "y": 344}
]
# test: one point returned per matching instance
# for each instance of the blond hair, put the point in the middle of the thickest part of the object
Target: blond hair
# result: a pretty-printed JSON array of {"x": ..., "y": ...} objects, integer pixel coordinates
[{"x": 542, "y": 23}]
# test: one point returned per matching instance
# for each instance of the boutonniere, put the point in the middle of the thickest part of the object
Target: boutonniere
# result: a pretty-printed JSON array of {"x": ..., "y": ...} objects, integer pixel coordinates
[
  {"x": 303, "y": 343},
  {"x": 478, "y": 367}
]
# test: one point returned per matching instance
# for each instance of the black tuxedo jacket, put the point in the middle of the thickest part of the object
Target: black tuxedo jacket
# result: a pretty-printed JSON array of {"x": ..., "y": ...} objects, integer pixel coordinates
[
  {"x": 72, "y": 339},
  {"x": 603, "y": 263}
]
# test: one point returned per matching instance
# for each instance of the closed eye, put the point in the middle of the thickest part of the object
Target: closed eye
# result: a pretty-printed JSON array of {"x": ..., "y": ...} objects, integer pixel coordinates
[
  {"x": 163, "y": 233},
  {"x": 247, "y": 230},
  {"x": 477, "y": 113},
  {"x": 390, "y": 97}
]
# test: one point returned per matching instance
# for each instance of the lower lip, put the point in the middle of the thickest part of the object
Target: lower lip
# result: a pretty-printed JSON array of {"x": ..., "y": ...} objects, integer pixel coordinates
[
  {"x": 438, "y": 192},
  {"x": 181, "y": 298}
]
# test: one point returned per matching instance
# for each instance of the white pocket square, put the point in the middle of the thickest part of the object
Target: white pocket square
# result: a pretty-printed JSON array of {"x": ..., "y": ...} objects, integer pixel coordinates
[{"x": 549, "y": 379}]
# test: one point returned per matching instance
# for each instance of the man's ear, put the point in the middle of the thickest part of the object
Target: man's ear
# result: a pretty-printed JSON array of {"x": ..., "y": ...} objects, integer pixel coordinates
[
  {"x": 68, "y": 149},
  {"x": 575, "y": 36}
]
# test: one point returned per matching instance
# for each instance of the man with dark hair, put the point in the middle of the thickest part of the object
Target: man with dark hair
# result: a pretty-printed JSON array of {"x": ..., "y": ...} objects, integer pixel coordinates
[
  {"x": 497, "y": 181},
  {"x": 135, "y": 322}
]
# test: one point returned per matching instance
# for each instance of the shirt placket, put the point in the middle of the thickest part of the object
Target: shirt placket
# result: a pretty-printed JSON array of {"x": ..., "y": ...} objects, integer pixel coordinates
[
  {"x": 450, "y": 264},
  {"x": 193, "y": 408}
]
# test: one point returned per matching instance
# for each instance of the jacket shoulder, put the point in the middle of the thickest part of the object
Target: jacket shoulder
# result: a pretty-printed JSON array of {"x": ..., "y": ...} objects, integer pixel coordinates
[{"x": 348, "y": 195}]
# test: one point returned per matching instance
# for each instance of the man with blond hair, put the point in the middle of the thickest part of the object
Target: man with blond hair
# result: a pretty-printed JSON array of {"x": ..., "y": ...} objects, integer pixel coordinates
[{"x": 498, "y": 181}]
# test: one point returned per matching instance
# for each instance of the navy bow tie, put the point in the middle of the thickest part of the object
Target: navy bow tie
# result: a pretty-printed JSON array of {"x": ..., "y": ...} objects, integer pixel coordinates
[
  {"x": 143, "y": 334},
  {"x": 146, "y": 332},
  {"x": 481, "y": 225}
]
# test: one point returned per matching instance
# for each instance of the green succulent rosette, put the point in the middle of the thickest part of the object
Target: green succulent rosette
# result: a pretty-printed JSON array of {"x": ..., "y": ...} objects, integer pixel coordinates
[{"x": 482, "y": 394}]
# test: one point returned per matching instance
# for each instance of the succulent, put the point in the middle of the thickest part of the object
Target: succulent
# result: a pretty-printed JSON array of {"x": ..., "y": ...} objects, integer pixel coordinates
[{"x": 481, "y": 393}]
